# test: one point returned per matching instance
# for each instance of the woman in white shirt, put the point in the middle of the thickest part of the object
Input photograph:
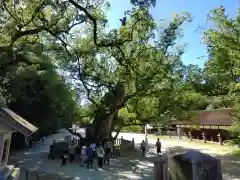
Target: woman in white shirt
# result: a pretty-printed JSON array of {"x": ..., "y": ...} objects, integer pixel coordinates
[
  {"x": 100, "y": 155},
  {"x": 83, "y": 156}
]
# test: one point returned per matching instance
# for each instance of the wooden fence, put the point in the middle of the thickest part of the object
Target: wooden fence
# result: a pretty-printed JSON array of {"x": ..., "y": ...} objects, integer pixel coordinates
[{"x": 119, "y": 144}]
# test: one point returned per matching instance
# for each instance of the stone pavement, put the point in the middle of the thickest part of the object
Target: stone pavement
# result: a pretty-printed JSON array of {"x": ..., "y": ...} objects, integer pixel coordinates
[{"x": 131, "y": 167}]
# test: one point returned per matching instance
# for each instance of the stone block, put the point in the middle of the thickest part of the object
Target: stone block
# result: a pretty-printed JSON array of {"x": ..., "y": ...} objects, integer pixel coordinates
[{"x": 194, "y": 165}]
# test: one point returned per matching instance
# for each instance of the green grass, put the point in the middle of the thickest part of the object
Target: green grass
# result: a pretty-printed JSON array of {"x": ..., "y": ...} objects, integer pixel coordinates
[{"x": 236, "y": 152}]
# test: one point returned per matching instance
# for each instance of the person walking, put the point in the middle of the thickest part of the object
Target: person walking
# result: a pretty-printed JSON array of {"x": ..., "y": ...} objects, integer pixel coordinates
[
  {"x": 64, "y": 158},
  {"x": 72, "y": 154},
  {"x": 146, "y": 144},
  {"x": 93, "y": 146},
  {"x": 100, "y": 155},
  {"x": 89, "y": 153},
  {"x": 83, "y": 156},
  {"x": 143, "y": 148},
  {"x": 158, "y": 145},
  {"x": 108, "y": 147}
]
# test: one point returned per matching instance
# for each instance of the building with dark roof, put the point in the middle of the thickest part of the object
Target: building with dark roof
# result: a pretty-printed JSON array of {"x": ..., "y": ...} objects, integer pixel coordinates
[{"x": 210, "y": 122}]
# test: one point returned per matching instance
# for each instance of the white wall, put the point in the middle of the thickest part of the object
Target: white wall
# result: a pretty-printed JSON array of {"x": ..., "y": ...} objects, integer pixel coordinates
[{"x": 5, "y": 133}]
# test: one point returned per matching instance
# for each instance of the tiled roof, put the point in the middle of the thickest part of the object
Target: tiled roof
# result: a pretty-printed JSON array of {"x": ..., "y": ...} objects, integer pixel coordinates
[
  {"x": 17, "y": 122},
  {"x": 217, "y": 117}
]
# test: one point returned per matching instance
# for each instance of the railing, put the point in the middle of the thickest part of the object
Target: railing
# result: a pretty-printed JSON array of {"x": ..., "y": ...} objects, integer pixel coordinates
[{"x": 119, "y": 144}]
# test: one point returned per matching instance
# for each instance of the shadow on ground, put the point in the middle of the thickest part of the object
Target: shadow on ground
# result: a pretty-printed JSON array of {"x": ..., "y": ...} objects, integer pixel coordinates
[
  {"x": 131, "y": 166},
  {"x": 230, "y": 164}
]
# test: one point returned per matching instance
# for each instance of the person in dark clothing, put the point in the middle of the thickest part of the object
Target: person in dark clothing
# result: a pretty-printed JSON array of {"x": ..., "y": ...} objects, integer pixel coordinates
[
  {"x": 143, "y": 148},
  {"x": 72, "y": 154},
  {"x": 158, "y": 145},
  {"x": 89, "y": 152},
  {"x": 108, "y": 147},
  {"x": 93, "y": 146},
  {"x": 64, "y": 158}
]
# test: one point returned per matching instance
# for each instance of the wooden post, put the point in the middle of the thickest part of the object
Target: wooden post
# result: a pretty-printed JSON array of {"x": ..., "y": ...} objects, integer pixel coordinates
[
  {"x": 133, "y": 143},
  {"x": 169, "y": 133},
  {"x": 190, "y": 135},
  {"x": 145, "y": 130},
  {"x": 161, "y": 169},
  {"x": 220, "y": 139},
  {"x": 212, "y": 138},
  {"x": 179, "y": 132},
  {"x": 204, "y": 137}
]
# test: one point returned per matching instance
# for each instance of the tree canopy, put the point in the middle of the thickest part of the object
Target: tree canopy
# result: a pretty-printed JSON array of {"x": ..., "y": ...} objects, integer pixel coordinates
[{"x": 60, "y": 64}]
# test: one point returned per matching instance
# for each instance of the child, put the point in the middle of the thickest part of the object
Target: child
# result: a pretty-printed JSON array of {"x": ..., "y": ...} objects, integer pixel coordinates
[
  {"x": 89, "y": 153},
  {"x": 100, "y": 155},
  {"x": 158, "y": 145}
]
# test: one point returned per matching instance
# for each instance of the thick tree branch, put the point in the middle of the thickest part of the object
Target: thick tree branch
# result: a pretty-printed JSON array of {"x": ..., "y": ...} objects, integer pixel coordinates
[
  {"x": 94, "y": 22},
  {"x": 81, "y": 78}
]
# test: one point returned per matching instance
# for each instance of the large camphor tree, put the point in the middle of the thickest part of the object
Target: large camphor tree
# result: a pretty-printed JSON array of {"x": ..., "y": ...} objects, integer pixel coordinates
[{"x": 132, "y": 75}]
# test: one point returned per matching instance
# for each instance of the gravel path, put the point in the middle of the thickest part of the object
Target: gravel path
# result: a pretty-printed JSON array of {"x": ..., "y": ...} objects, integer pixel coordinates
[
  {"x": 230, "y": 164},
  {"x": 131, "y": 167}
]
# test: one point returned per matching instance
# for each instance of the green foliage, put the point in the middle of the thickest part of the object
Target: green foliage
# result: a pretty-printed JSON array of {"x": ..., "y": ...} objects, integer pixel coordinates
[
  {"x": 143, "y": 3},
  {"x": 30, "y": 51},
  {"x": 222, "y": 68},
  {"x": 56, "y": 54},
  {"x": 133, "y": 128},
  {"x": 140, "y": 64}
]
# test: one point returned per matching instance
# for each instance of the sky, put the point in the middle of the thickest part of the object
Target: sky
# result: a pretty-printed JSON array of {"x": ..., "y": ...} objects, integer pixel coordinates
[{"x": 165, "y": 9}]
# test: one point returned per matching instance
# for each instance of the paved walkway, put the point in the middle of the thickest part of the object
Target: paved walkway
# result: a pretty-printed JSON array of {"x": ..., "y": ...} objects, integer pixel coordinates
[
  {"x": 131, "y": 167},
  {"x": 230, "y": 164}
]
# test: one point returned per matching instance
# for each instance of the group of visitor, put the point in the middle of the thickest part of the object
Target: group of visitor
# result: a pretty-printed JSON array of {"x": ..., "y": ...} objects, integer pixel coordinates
[
  {"x": 88, "y": 153},
  {"x": 144, "y": 146}
]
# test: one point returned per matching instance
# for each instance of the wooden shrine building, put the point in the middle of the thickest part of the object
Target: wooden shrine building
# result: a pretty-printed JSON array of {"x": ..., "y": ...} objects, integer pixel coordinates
[
  {"x": 209, "y": 122},
  {"x": 10, "y": 122}
]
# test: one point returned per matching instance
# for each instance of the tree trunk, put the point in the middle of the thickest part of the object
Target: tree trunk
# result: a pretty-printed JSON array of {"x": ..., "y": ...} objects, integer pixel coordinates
[{"x": 103, "y": 126}]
